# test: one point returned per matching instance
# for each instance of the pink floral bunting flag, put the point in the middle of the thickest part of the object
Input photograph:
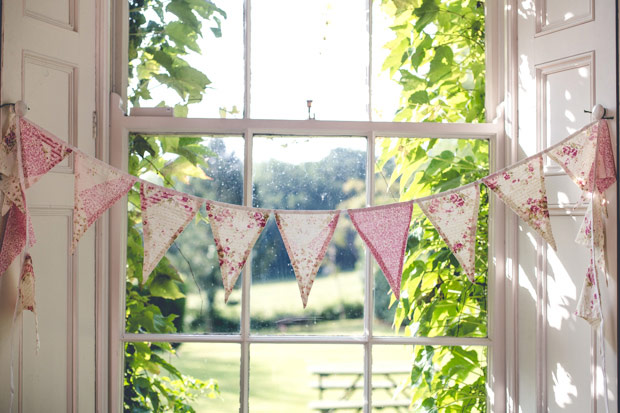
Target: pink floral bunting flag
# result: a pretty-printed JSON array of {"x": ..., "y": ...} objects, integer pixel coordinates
[
  {"x": 455, "y": 216},
  {"x": 384, "y": 229},
  {"x": 522, "y": 188},
  {"x": 588, "y": 305},
  {"x": 98, "y": 186},
  {"x": 306, "y": 237},
  {"x": 235, "y": 231},
  {"x": 605, "y": 163},
  {"x": 165, "y": 214},
  {"x": 18, "y": 232},
  {"x": 41, "y": 151}
]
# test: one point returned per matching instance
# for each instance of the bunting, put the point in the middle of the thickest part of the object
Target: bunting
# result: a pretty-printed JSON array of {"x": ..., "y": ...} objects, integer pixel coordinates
[
  {"x": 522, "y": 188},
  {"x": 165, "y": 214},
  {"x": 455, "y": 216},
  {"x": 26, "y": 286},
  {"x": 41, "y": 151},
  {"x": 10, "y": 184},
  {"x": 235, "y": 231},
  {"x": 17, "y": 233},
  {"x": 97, "y": 187},
  {"x": 384, "y": 229},
  {"x": 306, "y": 237}
]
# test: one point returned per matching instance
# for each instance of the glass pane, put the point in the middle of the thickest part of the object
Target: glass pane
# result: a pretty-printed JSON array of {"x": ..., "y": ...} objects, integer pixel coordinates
[
  {"x": 305, "y": 377},
  {"x": 176, "y": 377},
  {"x": 308, "y": 173},
  {"x": 428, "y": 61},
  {"x": 429, "y": 378},
  {"x": 309, "y": 50},
  {"x": 437, "y": 299},
  {"x": 188, "y": 54},
  {"x": 184, "y": 293}
]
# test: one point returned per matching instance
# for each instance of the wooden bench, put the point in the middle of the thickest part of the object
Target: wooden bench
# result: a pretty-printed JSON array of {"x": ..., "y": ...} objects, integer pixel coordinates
[{"x": 328, "y": 406}]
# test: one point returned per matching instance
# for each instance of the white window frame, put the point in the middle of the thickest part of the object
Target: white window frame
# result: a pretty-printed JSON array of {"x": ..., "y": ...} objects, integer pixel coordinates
[{"x": 121, "y": 126}]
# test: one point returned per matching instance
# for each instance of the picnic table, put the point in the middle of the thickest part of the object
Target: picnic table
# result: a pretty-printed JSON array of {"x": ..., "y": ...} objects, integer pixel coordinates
[{"x": 351, "y": 378}]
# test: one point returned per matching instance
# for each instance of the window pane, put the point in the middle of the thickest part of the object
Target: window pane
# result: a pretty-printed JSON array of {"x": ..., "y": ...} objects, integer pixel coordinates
[
  {"x": 437, "y": 299},
  {"x": 430, "y": 378},
  {"x": 204, "y": 376},
  {"x": 194, "y": 295},
  {"x": 304, "y": 50},
  {"x": 308, "y": 173},
  {"x": 428, "y": 64},
  {"x": 305, "y": 377},
  {"x": 187, "y": 53}
]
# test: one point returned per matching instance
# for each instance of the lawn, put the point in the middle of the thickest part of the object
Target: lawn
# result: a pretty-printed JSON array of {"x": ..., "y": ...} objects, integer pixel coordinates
[{"x": 280, "y": 380}]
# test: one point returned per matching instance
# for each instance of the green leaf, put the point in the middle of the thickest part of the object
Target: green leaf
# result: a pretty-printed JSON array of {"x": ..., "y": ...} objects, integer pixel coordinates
[
  {"x": 419, "y": 97},
  {"x": 166, "y": 288}
]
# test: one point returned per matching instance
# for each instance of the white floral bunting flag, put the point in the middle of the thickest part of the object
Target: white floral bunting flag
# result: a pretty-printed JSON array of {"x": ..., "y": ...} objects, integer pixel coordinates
[
  {"x": 98, "y": 186},
  {"x": 10, "y": 182},
  {"x": 306, "y": 237},
  {"x": 41, "y": 151},
  {"x": 455, "y": 216},
  {"x": 165, "y": 214},
  {"x": 384, "y": 229},
  {"x": 26, "y": 286},
  {"x": 589, "y": 306},
  {"x": 235, "y": 230},
  {"x": 522, "y": 188},
  {"x": 576, "y": 155}
]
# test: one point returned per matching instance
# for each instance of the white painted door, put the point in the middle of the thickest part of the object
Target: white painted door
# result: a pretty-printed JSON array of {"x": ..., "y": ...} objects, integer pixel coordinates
[
  {"x": 564, "y": 62},
  {"x": 48, "y": 60}
]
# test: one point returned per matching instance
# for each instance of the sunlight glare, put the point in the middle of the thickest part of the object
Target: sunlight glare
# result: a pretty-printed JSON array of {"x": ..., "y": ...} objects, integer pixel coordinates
[{"x": 563, "y": 388}]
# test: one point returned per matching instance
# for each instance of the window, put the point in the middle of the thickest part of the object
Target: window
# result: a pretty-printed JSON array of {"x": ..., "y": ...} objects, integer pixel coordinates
[{"x": 247, "y": 140}]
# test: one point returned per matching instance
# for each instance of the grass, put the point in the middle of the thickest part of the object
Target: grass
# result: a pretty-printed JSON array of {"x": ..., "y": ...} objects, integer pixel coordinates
[{"x": 280, "y": 380}]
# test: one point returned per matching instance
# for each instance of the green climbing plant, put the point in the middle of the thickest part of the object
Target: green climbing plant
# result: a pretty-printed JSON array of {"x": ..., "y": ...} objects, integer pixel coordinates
[{"x": 437, "y": 56}]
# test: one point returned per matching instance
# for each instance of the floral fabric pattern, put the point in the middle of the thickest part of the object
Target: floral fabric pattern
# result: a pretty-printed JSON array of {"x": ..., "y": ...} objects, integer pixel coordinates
[
  {"x": 522, "y": 188},
  {"x": 576, "y": 155},
  {"x": 384, "y": 229},
  {"x": 165, "y": 214},
  {"x": 235, "y": 231},
  {"x": 455, "y": 216},
  {"x": 41, "y": 151},
  {"x": 10, "y": 184},
  {"x": 589, "y": 305},
  {"x": 97, "y": 187},
  {"x": 306, "y": 237},
  {"x": 17, "y": 232},
  {"x": 26, "y": 286}
]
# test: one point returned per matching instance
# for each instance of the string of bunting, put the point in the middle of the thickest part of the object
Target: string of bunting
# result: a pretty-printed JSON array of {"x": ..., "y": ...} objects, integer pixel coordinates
[{"x": 27, "y": 152}]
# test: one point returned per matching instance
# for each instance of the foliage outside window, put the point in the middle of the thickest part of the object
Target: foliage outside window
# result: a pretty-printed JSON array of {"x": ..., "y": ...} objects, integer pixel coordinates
[{"x": 437, "y": 58}]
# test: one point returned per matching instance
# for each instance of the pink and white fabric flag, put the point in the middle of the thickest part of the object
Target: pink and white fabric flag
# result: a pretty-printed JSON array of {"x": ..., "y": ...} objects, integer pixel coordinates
[
  {"x": 589, "y": 306},
  {"x": 306, "y": 236},
  {"x": 10, "y": 184},
  {"x": 41, "y": 151},
  {"x": 235, "y": 231},
  {"x": 455, "y": 216},
  {"x": 522, "y": 188},
  {"x": 384, "y": 229},
  {"x": 98, "y": 186},
  {"x": 605, "y": 163},
  {"x": 165, "y": 214},
  {"x": 27, "y": 297},
  {"x": 17, "y": 233}
]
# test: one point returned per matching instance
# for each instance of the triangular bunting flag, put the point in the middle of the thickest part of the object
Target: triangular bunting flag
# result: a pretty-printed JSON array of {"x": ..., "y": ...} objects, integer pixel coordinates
[
  {"x": 17, "y": 231},
  {"x": 306, "y": 237},
  {"x": 26, "y": 286},
  {"x": 605, "y": 163},
  {"x": 97, "y": 187},
  {"x": 165, "y": 214},
  {"x": 10, "y": 183},
  {"x": 522, "y": 188},
  {"x": 384, "y": 229},
  {"x": 455, "y": 216},
  {"x": 588, "y": 306},
  {"x": 41, "y": 151},
  {"x": 235, "y": 230},
  {"x": 576, "y": 155}
]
